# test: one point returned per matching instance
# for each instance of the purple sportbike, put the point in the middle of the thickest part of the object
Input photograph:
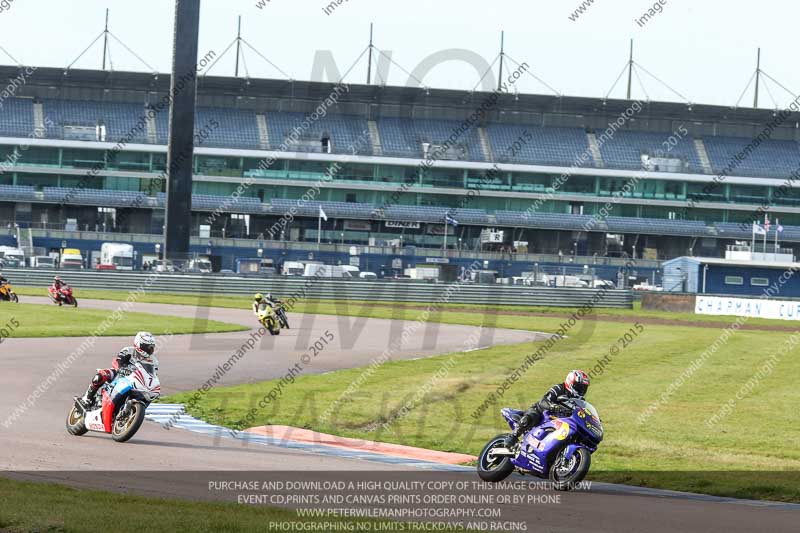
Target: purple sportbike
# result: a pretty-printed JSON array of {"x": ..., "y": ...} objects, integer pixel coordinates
[{"x": 559, "y": 448}]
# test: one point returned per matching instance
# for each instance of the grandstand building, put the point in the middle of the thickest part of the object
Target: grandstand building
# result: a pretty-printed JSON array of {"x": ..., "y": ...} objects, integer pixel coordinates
[{"x": 549, "y": 179}]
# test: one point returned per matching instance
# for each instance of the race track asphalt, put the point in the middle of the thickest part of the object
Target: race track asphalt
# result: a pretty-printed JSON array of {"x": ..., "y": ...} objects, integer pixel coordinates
[{"x": 36, "y": 445}]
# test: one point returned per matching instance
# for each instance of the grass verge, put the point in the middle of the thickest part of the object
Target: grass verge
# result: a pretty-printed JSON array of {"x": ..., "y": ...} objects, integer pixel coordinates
[{"x": 31, "y": 320}]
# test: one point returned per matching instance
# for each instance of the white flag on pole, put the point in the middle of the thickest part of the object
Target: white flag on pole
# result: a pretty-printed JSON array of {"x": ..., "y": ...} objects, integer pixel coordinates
[
  {"x": 322, "y": 214},
  {"x": 758, "y": 230}
]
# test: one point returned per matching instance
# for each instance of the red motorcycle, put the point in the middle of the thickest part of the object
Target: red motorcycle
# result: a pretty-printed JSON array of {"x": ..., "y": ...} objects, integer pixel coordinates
[{"x": 62, "y": 295}]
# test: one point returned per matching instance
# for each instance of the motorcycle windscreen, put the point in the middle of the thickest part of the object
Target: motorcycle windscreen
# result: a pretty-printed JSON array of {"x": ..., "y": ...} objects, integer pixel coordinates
[{"x": 587, "y": 415}]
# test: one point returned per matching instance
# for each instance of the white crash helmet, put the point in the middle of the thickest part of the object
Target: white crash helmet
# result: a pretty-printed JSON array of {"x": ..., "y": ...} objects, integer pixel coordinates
[{"x": 145, "y": 344}]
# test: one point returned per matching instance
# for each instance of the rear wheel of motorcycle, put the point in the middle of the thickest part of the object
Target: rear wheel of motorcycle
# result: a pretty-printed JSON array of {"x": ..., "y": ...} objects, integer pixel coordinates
[
  {"x": 124, "y": 429},
  {"x": 75, "y": 425},
  {"x": 565, "y": 475},
  {"x": 494, "y": 469}
]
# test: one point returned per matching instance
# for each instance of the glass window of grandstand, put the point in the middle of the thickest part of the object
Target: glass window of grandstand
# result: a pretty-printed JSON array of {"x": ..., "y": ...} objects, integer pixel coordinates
[
  {"x": 128, "y": 161},
  {"x": 393, "y": 174},
  {"x": 7, "y": 152},
  {"x": 745, "y": 217},
  {"x": 748, "y": 194},
  {"x": 786, "y": 194},
  {"x": 38, "y": 156},
  {"x": 82, "y": 158},
  {"x": 487, "y": 180},
  {"x": 442, "y": 200},
  {"x": 37, "y": 180},
  {"x": 707, "y": 215},
  {"x": 113, "y": 183},
  {"x": 657, "y": 211},
  {"x": 788, "y": 219},
  {"x": 159, "y": 162},
  {"x": 673, "y": 190},
  {"x": 81, "y": 182},
  {"x": 351, "y": 172},
  {"x": 616, "y": 186},
  {"x": 531, "y": 182},
  {"x": 734, "y": 280},
  {"x": 659, "y": 190},
  {"x": 759, "y": 282},
  {"x": 207, "y": 165},
  {"x": 443, "y": 177},
  {"x": 252, "y": 168},
  {"x": 577, "y": 184},
  {"x": 706, "y": 192}
]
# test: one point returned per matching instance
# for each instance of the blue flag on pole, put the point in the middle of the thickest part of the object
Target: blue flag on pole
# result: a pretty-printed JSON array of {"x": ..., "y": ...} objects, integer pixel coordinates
[{"x": 450, "y": 220}]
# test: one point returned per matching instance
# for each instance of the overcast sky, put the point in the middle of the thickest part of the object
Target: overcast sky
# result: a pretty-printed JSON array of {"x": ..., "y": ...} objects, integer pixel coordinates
[{"x": 706, "y": 50}]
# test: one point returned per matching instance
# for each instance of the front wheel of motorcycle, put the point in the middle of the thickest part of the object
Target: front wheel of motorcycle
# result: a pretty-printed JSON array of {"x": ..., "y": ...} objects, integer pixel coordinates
[
  {"x": 566, "y": 474},
  {"x": 126, "y": 427},
  {"x": 492, "y": 468},
  {"x": 74, "y": 302},
  {"x": 14, "y": 298},
  {"x": 75, "y": 425}
]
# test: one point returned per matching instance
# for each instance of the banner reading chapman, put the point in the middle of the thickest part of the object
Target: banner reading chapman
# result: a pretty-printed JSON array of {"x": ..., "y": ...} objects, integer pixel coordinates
[{"x": 749, "y": 307}]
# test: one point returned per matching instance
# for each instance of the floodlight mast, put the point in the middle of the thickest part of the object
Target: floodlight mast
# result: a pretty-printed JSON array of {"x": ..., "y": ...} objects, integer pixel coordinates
[{"x": 758, "y": 76}]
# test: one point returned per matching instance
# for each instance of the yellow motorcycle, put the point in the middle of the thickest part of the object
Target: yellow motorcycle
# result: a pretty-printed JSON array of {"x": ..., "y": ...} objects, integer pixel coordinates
[
  {"x": 7, "y": 294},
  {"x": 269, "y": 320}
]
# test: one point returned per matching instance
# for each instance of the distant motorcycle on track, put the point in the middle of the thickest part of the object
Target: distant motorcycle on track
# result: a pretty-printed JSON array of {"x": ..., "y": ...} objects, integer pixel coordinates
[
  {"x": 269, "y": 320},
  {"x": 7, "y": 294},
  {"x": 280, "y": 312},
  {"x": 62, "y": 295},
  {"x": 560, "y": 448}
]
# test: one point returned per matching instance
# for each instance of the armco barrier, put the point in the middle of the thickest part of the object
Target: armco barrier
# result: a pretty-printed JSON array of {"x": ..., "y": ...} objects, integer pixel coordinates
[{"x": 322, "y": 289}]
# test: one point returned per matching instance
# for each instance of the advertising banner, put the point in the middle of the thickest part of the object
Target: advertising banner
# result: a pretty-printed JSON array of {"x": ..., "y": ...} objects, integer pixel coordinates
[{"x": 751, "y": 307}]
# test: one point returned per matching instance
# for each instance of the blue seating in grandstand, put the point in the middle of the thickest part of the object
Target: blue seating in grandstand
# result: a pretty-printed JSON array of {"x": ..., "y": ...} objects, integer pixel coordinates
[
  {"x": 538, "y": 145},
  {"x": 17, "y": 192},
  {"x": 560, "y": 221},
  {"x": 770, "y": 159},
  {"x": 348, "y": 133},
  {"x": 219, "y": 127},
  {"x": 625, "y": 150},
  {"x": 403, "y": 137},
  {"x": 99, "y": 197},
  {"x": 404, "y": 213},
  {"x": 657, "y": 226},
  {"x": 733, "y": 230},
  {"x": 415, "y": 213},
  {"x": 16, "y": 117},
  {"x": 120, "y": 119},
  {"x": 470, "y": 216},
  {"x": 242, "y": 204},
  {"x": 237, "y": 127}
]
